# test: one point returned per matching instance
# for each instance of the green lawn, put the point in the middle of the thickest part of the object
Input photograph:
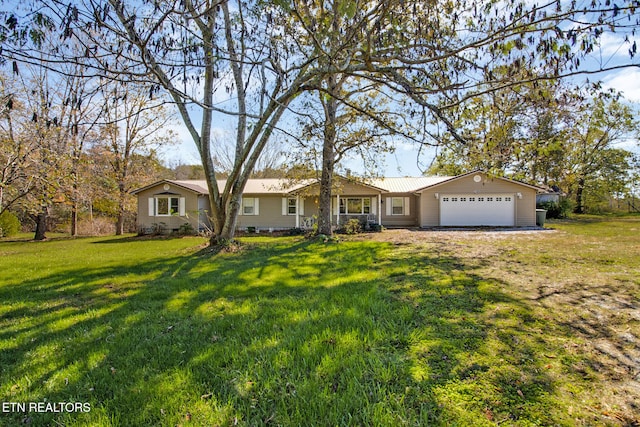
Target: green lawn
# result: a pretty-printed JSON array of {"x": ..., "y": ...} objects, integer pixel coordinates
[{"x": 454, "y": 328}]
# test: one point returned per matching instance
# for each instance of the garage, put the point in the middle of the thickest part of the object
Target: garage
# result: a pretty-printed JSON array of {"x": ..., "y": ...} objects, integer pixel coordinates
[{"x": 471, "y": 209}]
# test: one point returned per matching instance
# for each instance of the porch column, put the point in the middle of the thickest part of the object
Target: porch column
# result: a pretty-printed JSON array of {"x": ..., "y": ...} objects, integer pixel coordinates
[
  {"x": 337, "y": 210},
  {"x": 379, "y": 209},
  {"x": 297, "y": 211}
]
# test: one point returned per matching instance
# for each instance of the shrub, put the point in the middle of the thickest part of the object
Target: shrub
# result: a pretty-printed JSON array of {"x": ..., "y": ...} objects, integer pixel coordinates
[
  {"x": 296, "y": 231},
  {"x": 352, "y": 226},
  {"x": 155, "y": 229},
  {"x": 561, "y": 209},
  {"x": 186, "y": 229},
  {"x": 376, "y": 227},
  {"x": 98, "y": 226},
  {"x": 9, "y": 224}
]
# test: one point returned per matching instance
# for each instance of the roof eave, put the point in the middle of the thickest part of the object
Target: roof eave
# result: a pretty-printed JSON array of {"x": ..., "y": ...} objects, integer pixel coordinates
[
  {"x": 454, "y": 178},
  {"x": 167, "y": 181}
]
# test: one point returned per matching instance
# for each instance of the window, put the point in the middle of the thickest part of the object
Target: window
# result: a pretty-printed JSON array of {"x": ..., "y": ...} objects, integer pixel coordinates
[
  {"x": 472, "y": 199},
  {"x": 400, "y": 206},
  {"x": 498, "y": 199},
  {"x": 355, "y": 205},
  {"x": 249, "y": 206},
  {"x": 445, "y": 199},
  {"x": 291, "y": 206},
  {"x": 489, "y": 199},
  {"x": 507, "y": 199},
  {"x": 366, "y": 205},
  {"x": 167, "y": 206},
  {"x": 397, "y": 205}
]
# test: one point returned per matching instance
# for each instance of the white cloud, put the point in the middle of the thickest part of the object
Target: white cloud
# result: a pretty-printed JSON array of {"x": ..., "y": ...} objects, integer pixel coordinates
[
  {"x": 613, "y": 44},
  {"x": 627, "y": 81}
]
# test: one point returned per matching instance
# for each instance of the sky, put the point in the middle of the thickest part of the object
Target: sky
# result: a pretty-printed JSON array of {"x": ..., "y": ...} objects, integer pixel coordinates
[{"x": 404, "y": 162}]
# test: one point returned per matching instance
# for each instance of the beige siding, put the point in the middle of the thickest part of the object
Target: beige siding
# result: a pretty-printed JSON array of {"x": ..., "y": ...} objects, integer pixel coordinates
[
  {"x": 269, "y": 215},
  {"x": 350, "y": 189},
  {"x": 343, "y": 188},
  {"x": 429, "y": 209},
  {"x": 172, "y": 222},
  {"x": 525, "y": 206},
  {"x": 403, "y": 220}
]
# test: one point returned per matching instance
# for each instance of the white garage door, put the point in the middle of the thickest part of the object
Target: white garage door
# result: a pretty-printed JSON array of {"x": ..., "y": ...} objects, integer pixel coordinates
[{"x": 477, "y": 209}]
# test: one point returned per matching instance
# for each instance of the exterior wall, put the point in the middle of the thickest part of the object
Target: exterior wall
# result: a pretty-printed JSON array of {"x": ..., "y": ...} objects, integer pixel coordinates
[
  {"x": 429, "y": 209},
  {"x": 403, "y": 220},
  {"x": 351, "y": 189},
  {"x": 525, "y": 207},
  {"x": 269, "y": 214},
  {"x": 167, "y": 222}
]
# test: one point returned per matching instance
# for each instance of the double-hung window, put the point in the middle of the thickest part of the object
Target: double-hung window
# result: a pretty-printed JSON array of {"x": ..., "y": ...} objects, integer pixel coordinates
[
  {"x": 250, "y": 206},
  {"x": 397, "y": 206},
  {"x": 292, "y": 206},
  {"x": 166, "y": 206}
]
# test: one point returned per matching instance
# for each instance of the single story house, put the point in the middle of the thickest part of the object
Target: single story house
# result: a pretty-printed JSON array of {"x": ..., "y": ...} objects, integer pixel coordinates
[{"x": 471, "y": 199}]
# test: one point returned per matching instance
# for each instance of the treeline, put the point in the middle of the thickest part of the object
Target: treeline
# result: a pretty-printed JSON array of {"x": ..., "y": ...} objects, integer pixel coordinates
[{"x": 71, "y": 150}]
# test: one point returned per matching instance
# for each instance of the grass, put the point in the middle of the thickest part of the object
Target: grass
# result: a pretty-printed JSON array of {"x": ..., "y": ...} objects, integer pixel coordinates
[{"x": 465, "y": 329}]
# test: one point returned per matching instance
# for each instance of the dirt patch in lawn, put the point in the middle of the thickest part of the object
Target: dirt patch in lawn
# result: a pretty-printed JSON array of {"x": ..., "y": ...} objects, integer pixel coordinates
[
  {"x": 469, "y": 243},
  {"x": 585, "y": 285},
  {"x": 418, "y": 236}
]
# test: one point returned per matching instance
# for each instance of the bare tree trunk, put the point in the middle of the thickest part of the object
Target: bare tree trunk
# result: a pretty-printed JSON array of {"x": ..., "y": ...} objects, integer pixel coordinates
[
  {"x": 225, "y": 219},
  {"x": 74, "y": 218},
  {"x": 328, "y": 160},
  {"x": 326, "y": 183},
  {"x": 122, "y": 194},
  {"x": 580, "y": 197},
  {"x": 41, "y": 224},
  {"x": 120, "y": 223},
  {"x": 74, "y": 204}
]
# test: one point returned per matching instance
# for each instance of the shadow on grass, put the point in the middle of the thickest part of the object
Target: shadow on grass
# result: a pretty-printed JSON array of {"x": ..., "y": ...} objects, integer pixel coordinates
[
  {"x": 140, "y": 239},
  {"x": 287, "y": 334}
]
